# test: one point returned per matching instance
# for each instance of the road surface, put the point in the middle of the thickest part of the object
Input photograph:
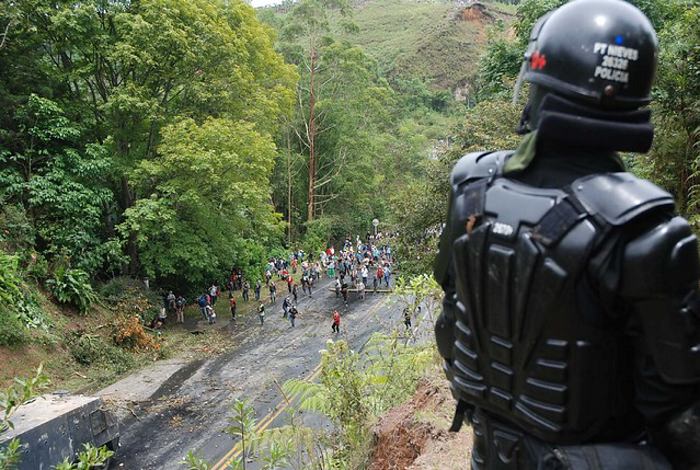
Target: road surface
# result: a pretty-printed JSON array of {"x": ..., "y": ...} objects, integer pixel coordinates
[{"x": 189, "y": 410}]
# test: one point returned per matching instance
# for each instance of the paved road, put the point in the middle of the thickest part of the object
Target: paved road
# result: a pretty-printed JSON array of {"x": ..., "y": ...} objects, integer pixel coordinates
[{"x": 189, "y": 411}]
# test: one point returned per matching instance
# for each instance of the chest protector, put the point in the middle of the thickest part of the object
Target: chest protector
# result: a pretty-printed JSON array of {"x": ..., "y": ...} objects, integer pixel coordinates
[{"x": 532, "y": 343}]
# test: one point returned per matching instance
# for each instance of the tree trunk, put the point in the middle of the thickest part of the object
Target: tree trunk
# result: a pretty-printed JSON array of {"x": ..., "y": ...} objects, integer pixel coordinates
[
  {"x": 312, "y": 138},
  {"x": 289, "y": 189},
  {"x": 131, "y": 249}
]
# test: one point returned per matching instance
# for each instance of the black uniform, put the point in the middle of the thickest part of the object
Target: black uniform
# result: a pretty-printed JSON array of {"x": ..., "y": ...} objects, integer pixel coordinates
[{"x": 571, "y": 328}]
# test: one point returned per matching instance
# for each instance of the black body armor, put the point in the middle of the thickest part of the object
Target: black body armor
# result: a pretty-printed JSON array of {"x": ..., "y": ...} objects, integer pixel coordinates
[{"x": 564, "y": 310}]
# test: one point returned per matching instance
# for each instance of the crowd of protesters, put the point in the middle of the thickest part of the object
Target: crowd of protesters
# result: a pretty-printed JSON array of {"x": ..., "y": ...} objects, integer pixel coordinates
[{"x": 357, "y": 266}]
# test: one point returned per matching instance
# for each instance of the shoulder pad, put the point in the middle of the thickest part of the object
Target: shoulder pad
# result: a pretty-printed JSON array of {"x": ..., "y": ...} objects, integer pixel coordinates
[
  {"x": 619, "y": 197},
  {"x": 661, "y": 261},
  {"x": 478, "y": 165}
]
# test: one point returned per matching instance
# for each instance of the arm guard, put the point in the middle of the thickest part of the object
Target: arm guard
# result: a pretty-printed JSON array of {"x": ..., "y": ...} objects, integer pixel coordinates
[
  {"x": 469, "y": 168},
  {"x": 660, "y": 278}
]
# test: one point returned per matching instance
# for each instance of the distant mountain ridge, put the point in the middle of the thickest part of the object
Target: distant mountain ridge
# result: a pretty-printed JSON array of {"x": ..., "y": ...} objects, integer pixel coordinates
[{"x": 437, "y": 41}]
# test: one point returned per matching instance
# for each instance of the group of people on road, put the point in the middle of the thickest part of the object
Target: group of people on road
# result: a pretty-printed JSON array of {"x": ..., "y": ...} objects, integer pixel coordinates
[{"x": 358, "y": 265}]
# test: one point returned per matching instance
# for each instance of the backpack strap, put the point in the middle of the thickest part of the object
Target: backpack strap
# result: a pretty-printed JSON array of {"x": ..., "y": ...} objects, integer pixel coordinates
[{"x": 559, "y": 220}]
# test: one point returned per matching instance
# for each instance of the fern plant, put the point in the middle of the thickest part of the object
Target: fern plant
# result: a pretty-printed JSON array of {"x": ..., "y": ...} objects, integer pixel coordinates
[{"x": 72, "y": 287}]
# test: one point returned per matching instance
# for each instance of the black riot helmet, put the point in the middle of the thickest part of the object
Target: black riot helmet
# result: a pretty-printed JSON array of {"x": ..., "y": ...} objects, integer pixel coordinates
[{"x": 598, "y": 52}]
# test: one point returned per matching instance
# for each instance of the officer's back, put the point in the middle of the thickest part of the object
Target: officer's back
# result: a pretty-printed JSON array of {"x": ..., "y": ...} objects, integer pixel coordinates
[{"x": 570, "y": 328}]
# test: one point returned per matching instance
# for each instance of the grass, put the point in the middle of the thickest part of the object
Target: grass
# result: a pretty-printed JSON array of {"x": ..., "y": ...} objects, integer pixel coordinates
[
  {"x": 425, "y": 39},
  {"x": 417, "y": 38}
]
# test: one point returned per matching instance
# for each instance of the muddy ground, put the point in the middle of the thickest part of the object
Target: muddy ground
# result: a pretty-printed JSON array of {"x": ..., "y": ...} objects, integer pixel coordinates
[
  {"x": 179, "y": 406},
  {"x": 415, "y": 436}
]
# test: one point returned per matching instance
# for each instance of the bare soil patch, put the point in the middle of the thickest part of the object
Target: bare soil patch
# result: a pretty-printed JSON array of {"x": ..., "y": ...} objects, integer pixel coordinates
[{"x": 415, "y": 436}]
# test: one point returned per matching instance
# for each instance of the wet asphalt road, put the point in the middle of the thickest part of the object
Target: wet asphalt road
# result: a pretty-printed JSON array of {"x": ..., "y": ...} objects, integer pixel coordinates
[{"x": 189, "y": 411}]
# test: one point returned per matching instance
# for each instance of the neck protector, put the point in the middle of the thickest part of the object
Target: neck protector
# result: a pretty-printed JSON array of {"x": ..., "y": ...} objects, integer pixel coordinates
[{"x": 568, "y": 124}]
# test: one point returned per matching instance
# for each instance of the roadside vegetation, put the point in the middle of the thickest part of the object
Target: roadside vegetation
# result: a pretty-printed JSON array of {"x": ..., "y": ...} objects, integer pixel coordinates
[{"x": 352, "y": 390}]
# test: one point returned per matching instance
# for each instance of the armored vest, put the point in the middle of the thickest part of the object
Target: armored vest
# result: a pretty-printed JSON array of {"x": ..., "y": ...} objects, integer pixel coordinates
[{"x": 533, "y": 343}]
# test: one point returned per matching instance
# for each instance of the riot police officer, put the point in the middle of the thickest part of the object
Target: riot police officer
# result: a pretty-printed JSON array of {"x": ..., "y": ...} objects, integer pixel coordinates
[{"x": 570, "y": 326}]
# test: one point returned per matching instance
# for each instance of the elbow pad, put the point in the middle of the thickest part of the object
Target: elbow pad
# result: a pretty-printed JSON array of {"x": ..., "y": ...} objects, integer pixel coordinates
[{"x": 660, "y": 277}]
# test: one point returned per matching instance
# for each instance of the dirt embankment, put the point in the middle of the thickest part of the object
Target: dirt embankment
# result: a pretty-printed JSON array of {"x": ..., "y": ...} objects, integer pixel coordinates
[{"x": 414, "y": 435}]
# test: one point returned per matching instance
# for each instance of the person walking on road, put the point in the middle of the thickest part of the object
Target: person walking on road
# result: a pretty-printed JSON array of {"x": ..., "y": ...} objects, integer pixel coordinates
[
  {"x": 211, "y": 314},
  {"x": 337, "y": 287},
  {"x": 258, "y": 287},
  {"x": 344, "y": 292},
  {"x": 285, "y": 307},
  {"x": 203, "y": 301},
  {"x": 361, "y": 290},
  {"x": 214, "y": 293},
  {"x": 180, "y": 309},
  {"x": 295, "y": 293},
  {"x": 246, "y": 291},
  {"x": 232, "y": 303},
  {"x": 293, "y": 312},
  {"x": 379, "y": 275},
  {"x": 261, "y": 313},
  {"x": 407, "y": 318},
  {"x": 335, "y": 327},
  {"x": 273, "y": 292}
]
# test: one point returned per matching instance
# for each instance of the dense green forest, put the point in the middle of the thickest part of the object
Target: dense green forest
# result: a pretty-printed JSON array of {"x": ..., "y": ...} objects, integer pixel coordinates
[{"x": 173, "y": 139}]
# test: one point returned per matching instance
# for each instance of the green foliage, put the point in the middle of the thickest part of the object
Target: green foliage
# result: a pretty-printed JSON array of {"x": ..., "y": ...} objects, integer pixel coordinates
[
  {"x": 193, "y": 462},
  {"x": 21, "y": 391},
  {"x": 72, "y": 286},
  {"x": 16, "y": 231},
  {"x": 10, "y": 282},
  {"x": 499, "y": 64},
  {"x": 58, "y": 184},
  {"x": 674, "y": 161},
  {"x": 11, "y": 455},
  {"x": 356, "y": 387},
  {"x": 88, "y": 458},
  {"x": 242, "y": 426},
  {"x": 12, "y": 330},
  {"x": 318, "y": 233},
  {"x": 77, "y": 128},
  {"x": 208, "y": 189},
  {"x": 90, "y": 349},
  {"x": 419, "y": 40}
]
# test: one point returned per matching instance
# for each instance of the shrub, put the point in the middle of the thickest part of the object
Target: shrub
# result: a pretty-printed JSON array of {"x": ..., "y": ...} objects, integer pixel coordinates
[
  {"x": 10, "y": 281},
  {"x": 116, "y": 288},
  {"x": 129, "y": 333},
  {"x": 88, "y": 349},
  {"x": 12, "y": 332},
  {"x": 38, "y": 267},
  {"x": 72, "y": 287}
]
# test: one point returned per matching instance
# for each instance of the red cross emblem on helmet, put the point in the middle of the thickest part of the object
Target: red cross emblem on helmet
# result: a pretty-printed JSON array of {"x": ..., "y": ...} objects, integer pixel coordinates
[{"x": 538, "y": 61}]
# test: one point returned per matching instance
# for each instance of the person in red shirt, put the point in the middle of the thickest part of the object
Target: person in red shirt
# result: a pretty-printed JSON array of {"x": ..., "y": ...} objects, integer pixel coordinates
[
  {"x": 336, "y": 322},
  {"x": 232, "y": 302}
]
